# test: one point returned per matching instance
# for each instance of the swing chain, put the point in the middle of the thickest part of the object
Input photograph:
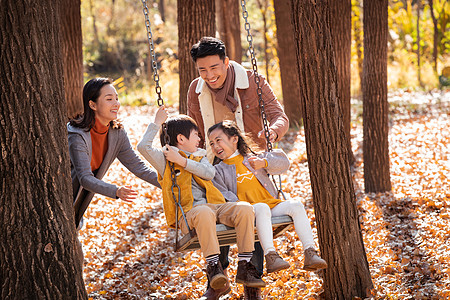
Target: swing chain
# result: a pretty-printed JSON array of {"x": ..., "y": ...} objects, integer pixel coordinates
[
  {"x": 257, "y": 78},
  {"x": 160, "y": 102},
  {"x": 251, "y": 50}
]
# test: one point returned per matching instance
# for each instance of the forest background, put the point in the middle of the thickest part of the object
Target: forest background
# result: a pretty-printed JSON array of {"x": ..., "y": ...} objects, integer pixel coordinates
[{"x": 115, "y": 45}]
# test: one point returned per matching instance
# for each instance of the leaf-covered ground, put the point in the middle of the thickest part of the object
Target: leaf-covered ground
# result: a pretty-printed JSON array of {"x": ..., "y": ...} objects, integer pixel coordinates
[{"x": 129, "y": 253}]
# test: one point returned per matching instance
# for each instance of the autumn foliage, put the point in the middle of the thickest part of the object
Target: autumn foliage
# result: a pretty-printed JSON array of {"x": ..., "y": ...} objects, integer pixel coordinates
[{"x": 129, "y": 253}]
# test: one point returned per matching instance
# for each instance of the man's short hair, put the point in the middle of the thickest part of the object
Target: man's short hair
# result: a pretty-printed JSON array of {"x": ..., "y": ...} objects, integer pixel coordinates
[
  {"x": 181, "y": 124},
  {"x": 208, "y": 46}
]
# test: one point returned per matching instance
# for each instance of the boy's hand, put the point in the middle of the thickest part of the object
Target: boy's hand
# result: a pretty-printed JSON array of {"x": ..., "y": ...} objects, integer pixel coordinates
[
  {"x": 173, "y": 156},
  {"x": 161, "y": 115},
  {"x": 256, "y": 162},
  {"x": 126, "y": 194}
]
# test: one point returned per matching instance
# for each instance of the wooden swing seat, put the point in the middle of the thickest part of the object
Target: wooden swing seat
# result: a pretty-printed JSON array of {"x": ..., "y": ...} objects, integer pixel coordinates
[{"x": 227, "y": 235}]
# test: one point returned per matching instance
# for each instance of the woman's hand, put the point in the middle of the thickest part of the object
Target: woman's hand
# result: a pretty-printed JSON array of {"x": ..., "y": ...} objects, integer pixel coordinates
[
  {"x": 173, "y": 156},
  {"x": 161, "y": 115},
  {"x": 125, "y": 193},
  {"x": 256, "y": 162}
]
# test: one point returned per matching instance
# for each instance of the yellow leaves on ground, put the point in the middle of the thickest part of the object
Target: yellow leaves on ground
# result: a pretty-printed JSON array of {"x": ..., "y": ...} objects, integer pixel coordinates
[{"x": 129, "y": 248}]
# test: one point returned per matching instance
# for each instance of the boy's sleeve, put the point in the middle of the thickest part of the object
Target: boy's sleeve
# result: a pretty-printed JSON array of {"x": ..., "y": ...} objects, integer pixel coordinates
[
  {"x": 153, "y": 155},
  {"x": 202, "y": 169}
]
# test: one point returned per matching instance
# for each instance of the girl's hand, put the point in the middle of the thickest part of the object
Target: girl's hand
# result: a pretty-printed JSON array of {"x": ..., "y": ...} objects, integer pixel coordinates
[
  {"x": 256, "y": 162},
  {"x": 173, "y": 156},
  {"x": 161, "y": 115},
  {"x": 125, "y": 193}
]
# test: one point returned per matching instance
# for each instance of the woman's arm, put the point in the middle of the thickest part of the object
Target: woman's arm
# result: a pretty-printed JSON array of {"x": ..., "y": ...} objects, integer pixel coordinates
[{"x": 81, "y": 161}]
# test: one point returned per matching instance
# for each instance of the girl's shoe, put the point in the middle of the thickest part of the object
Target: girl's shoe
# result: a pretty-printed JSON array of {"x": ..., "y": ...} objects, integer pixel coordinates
[
  {"x": 313, "y": 262},
  {"x": 275, "y": 263}
]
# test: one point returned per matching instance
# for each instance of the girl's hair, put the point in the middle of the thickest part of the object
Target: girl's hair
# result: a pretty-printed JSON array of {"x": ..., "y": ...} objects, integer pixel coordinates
[
  {"x": 91, "y": 92},
  {"x": 230, "y": 128},
  {"x": 181, "y": 124}
]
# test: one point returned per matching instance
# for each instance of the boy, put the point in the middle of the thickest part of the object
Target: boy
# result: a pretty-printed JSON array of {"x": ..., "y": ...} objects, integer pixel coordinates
[{"x": 202, "y": 203}]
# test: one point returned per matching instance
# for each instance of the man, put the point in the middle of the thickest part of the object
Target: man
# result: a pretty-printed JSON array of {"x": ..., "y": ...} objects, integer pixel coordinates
[{"x": 227, "y": 91}]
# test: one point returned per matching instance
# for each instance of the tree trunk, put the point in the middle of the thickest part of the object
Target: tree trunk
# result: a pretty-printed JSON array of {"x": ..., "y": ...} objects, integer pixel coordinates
[
  {"x": 338, "y": 225},
  {"x": 94, "y": 25},
  {"x": 195, "y": 20},
  {"x": 40, "y": 257},
  {"x": 162, "y": 9},
  {"x": 375, "y": 104},
  {"x": 288, "y": 62},
  {"x": 435, "y": 36},
  {"x": 419, "y": 77},
  {"x": 263, "y": 8},
  {"x": 341, "y": 18},
  {"x": 72, "y": 53},
  {"x": 229, "y": 28}
]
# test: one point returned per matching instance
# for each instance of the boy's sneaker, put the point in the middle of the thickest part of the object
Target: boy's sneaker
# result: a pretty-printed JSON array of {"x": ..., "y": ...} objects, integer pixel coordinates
[
  {"x": 313, "y": 262},
  {"x": 247, "y": 275},
  {"x": 212, "y": 294},
  {"x": 275, "y": 263},
  {"x": 216, "y": 277}
]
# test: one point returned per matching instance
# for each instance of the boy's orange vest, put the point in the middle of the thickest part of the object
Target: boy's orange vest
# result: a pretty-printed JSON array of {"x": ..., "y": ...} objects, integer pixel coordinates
[{"x": 184, "y": 181}]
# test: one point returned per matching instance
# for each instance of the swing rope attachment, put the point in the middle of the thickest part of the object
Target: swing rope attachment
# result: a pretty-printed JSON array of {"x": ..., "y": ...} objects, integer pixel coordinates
[
  {"x": 160, "y": 102},
  {"x": 251, "y": 50}
]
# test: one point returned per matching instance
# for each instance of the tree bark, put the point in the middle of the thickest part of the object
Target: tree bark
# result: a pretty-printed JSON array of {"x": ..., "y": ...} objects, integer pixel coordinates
[
  {"x": 40, "y": 256},
  {"x": 338, "y": 225},
  {"x": 375, "y": 104},
  {"x": 195, "y": 20},
  {"x": 435, "y": 36},
  {"x": 341, "y": 18},
  {"x": 162, "y": 10},
  {"x": 72, "y": 53},
  {"x": 229, "y": 28},
  {"x": 288, "y": 62}
]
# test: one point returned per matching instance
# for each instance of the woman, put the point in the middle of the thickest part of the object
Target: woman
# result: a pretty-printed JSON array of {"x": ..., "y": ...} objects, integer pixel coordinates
[{"x": 95, "y": 140}]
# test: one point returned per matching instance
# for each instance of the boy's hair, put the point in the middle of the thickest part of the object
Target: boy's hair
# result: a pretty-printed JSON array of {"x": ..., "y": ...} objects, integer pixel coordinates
[
  {"x": 230, "y": 128},
  {"x": 208, "y": 46},
  {"x": 181, "y": 124}
]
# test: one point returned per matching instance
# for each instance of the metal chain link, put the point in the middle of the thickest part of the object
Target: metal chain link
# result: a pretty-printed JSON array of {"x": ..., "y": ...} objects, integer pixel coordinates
[
  {"x": 160, "y": 102},
  {"x": 251, "y": 50}
]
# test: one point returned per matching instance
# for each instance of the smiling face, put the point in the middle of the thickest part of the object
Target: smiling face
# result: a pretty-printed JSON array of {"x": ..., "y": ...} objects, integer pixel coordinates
[
  {"x": 213, "y": 70},
  {"x": 221, "y": 144},
  {"x": 189, "y": 144},
  {"x": 107, "y": 105}
]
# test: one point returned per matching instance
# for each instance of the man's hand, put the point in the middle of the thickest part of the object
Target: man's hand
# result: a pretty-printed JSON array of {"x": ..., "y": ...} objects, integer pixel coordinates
[
  {"x": 272, "y": 135},
  {"x": 126, "y": 194},
  {"x": 256, "y": 162},
  {"x": 173, "y": 156}
]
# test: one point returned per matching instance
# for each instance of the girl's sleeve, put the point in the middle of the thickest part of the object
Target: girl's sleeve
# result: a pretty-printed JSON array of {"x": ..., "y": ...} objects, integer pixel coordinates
[
  {"x": 220, "y": 183},
  {"x": 81, "y": 161},
  {"x": 202, "y": 169},
  {"x": 153, "y": 155},
  {"x": 277, "y": 161},
  {"x": 132, "y": 162}
]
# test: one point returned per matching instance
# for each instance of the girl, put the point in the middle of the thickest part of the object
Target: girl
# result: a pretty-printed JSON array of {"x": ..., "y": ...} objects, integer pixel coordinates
[
  {"x": 247, "y": 178},
  {"x": 95, "y": 140}
]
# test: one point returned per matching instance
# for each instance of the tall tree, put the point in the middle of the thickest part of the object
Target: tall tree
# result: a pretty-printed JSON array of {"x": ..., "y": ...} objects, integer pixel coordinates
[
  {"x": 375, "y": 104},
  {"x": 338, "y": 225},
  {"x": 229, "y": 28},
  {"x": 435, "y": 36},
  {"x": 72, "y": 53},
  {"x": 288, "y": 62},
  {"x": 40, "y": 257},
  {"x": 341, "y": 31},
  {"x": 263, "y": 8},
  {"x": 195, "y": 20}
]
